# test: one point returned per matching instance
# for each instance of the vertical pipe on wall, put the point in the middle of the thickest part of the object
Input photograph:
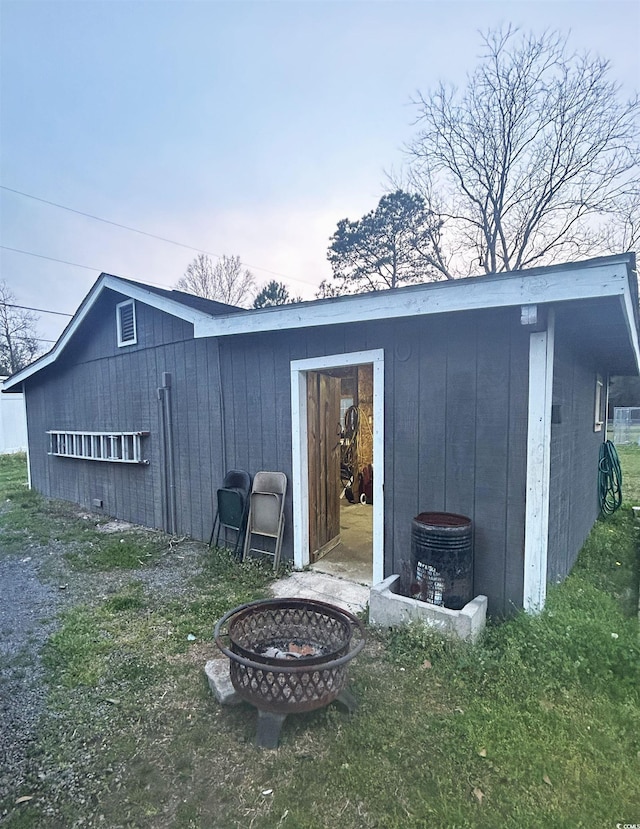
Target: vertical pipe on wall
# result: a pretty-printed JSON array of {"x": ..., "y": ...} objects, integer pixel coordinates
[
  {"x": 223, "y": 430},
  {"x": 164, "y": 397}
]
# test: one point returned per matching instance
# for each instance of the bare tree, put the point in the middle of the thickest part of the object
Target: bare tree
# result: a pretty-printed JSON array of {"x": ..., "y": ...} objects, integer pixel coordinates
[
  {"x": 19, "y": 344},
  {"x": 225, "y": 281},
  {"x": 622, "y": 233},
  {"x": 534, "y": 161}
]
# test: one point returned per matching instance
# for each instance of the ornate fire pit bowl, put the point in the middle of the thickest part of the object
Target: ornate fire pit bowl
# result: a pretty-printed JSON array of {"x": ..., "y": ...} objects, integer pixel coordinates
[{"x": 288, "y": 656}]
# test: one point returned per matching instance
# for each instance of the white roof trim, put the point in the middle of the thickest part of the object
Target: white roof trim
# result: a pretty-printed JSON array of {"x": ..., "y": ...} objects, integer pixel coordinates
[
  {"x": 631, "y": 327},
  {"x": 496, "y": 291},
  {"x": 128, "y": 289},
  {"x": 142, "y": 293},
  {"x": 598, "y": 278}
]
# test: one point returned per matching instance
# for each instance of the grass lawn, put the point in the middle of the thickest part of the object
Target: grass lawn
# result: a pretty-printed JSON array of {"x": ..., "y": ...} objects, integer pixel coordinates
[{"x": 536, "y": 726}]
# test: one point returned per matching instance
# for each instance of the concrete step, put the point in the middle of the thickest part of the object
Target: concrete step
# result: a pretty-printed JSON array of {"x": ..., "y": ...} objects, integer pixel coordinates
[{"x": 306, "y": 584}]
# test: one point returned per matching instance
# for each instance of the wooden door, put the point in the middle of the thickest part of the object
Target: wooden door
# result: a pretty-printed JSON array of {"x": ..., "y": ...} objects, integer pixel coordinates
[{"x": 323, "y": 428}]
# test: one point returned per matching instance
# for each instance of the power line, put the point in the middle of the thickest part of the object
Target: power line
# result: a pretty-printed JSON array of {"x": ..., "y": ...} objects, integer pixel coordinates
[
  {"x": 50, "y": 258},
  {"x": 86, "y": 267},
  {"x": 77, "y": 265},
  {"x": 74, "y": 265},
  {"x": 39, "y": 310},
  {"x": 144, "y": 233},
  {"x": 31, "y": 339}
]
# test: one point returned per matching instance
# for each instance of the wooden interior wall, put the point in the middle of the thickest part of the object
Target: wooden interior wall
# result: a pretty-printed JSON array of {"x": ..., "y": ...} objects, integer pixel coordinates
[{"x": 365, "y": 404}]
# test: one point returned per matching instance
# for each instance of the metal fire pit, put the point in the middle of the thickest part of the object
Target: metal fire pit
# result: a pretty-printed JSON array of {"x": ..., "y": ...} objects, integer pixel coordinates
[{"x": 288, "y": 656}]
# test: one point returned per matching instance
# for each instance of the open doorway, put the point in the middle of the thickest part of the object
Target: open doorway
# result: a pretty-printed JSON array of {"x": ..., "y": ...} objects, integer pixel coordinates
[
  {"x": 340, "y": 453},
  {"x": 338, "y": 464}
]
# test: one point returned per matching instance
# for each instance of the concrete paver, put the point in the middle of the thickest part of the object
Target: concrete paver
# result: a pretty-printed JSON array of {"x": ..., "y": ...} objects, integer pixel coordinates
[{"x": 324, "y": 588}]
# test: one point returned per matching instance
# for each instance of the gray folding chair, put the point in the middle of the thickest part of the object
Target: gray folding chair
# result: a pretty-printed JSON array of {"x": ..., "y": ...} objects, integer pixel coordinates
[{"x": 266, "y": 516}]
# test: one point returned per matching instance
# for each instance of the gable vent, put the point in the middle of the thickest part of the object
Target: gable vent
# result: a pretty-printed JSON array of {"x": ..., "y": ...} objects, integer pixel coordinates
[{"x": 126, "y": 321}]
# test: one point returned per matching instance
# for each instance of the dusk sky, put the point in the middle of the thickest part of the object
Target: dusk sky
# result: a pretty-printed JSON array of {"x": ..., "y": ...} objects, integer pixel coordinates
[{"x": 244, "y": 128}]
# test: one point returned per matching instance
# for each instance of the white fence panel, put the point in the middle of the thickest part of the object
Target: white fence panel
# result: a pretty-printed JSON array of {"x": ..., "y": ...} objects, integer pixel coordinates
[{"x": 13, "y": 423}]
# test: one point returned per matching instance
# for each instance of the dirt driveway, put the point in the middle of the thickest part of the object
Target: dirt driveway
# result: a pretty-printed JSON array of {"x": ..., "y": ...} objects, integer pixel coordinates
[
  {"x": 28, "y": 608},
  {"x": 38, "y": 584}
]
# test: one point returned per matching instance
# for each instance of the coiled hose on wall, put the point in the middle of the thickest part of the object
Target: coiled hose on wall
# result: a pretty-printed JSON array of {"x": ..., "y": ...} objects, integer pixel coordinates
[{"x": 609, "y": 479}]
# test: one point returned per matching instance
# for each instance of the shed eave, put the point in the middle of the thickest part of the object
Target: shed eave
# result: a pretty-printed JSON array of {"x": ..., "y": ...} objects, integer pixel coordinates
[
  {"x": 121, "y": 286},
  {"x": 630, "y": 312},
  {"x": 608, "y": 278}
]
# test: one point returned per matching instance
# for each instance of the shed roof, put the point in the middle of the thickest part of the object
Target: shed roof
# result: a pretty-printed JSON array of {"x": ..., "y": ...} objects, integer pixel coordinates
[
  {"x": 193, "y": 309},
  {"x": 596, "y": 300},
  {"x": 208, "y": 306}
]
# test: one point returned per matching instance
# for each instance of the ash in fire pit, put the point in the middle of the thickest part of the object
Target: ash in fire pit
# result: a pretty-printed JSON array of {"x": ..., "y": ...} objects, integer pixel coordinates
[
  {"x": 288, "y": 656},
  {"x": 289, "y": 650}
]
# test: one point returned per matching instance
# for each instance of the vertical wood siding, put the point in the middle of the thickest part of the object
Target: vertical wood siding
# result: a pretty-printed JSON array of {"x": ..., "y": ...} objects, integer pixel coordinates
[
  {"x": 455, "y": 426},
  {"x": 573, "y": 506},
  {"x": 457, "y": 440},
  {"x": 455, "y": 422},
  {"x": 96, "y": 386}
]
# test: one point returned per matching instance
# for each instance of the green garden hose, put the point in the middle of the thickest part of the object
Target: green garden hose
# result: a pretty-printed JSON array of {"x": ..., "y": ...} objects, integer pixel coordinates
[{"x": 609, "y": 479}]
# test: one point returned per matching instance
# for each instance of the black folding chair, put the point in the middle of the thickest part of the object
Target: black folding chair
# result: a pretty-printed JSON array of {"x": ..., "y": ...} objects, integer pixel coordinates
[{"x": 232, "y": 508}]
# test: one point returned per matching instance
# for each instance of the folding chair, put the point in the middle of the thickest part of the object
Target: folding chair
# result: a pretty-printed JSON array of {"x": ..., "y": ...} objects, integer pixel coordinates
[
  {"x": 266, "y": 514},
  {"x": 232, "y": 507}
]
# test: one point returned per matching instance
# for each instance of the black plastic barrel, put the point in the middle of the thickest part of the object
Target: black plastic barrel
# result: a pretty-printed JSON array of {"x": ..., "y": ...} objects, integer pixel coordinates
[{"x": 442, "y": 558}]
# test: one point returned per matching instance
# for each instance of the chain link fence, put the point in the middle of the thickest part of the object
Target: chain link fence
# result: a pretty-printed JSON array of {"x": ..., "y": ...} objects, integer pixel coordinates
[{"x": 626, "y": 425}]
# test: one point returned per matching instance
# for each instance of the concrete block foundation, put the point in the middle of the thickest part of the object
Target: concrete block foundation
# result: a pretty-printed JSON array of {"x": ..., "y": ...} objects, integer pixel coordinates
[{"x": 387, "y": 608}]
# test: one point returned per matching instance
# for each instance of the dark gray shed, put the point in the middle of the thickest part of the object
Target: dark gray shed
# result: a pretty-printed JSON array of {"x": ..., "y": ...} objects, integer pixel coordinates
[{"x": 483, "y": 396}]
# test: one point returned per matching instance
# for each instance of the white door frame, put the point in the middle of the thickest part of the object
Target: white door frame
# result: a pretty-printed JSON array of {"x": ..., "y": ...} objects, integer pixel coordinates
[{"x": 300, "y": 457}]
